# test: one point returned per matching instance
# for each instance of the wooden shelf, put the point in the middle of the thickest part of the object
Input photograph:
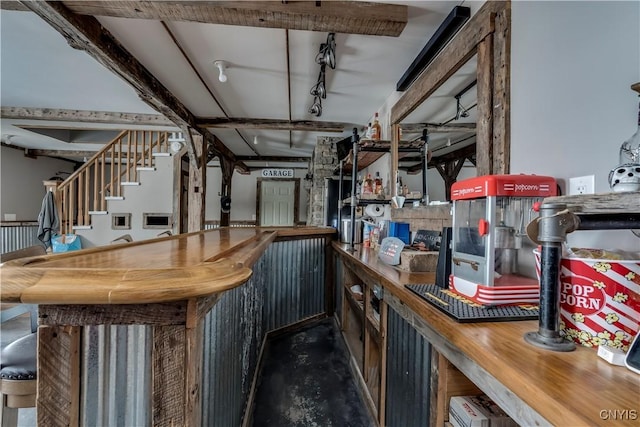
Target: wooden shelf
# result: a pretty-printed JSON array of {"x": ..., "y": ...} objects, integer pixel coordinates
[
  {"x": 370, "y": 151},
  {"x": 615, "y": 202}
]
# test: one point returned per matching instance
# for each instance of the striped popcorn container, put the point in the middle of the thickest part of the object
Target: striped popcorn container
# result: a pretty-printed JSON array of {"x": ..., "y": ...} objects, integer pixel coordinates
[{"x": 599, "y": 300}]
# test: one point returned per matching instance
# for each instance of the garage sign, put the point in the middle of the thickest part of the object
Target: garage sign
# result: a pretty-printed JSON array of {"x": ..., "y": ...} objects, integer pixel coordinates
[{"x": 277, "y": 173}]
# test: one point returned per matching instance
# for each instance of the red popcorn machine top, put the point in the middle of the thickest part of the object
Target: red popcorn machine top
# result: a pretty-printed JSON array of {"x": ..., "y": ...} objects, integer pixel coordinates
[{"x": 490, "y": 215}]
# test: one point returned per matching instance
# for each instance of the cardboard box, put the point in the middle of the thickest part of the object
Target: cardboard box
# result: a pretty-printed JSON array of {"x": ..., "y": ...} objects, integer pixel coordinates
[{"x": 477, "y": 411}]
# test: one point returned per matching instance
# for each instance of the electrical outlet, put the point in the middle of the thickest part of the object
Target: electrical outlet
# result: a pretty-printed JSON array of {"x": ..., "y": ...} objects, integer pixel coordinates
[{"x": 582, "y": 185}]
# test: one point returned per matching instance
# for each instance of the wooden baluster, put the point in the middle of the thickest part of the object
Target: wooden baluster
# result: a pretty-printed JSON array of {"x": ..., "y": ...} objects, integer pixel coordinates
[
  {"x": 135, "y": 155},
  {"x": 95, "y": 166},
  {"x": 79, "y": 213},
  {"x": 72, "y": 197},
  {"x": 112, "y": 153},
  {"x": 86, "y": 197},
  {"x": 103, "y": 202},
  {"x": 119, "y": 176},
  {"x": 150, "y": 149},
  {"x": 63, "y": 210},
  {"x": 128, "y": 160}
]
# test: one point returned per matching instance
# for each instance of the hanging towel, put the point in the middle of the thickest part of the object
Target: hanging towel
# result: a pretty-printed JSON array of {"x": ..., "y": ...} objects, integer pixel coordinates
[{"x": 48, "y": 222}]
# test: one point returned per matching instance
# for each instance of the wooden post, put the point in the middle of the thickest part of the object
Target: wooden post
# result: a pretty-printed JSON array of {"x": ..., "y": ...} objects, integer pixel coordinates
[
  {"x": 484, "y": 122},
  {"x": 58, "y": 400},
  {"x": 502, "y": 91},
  {"x": 197, "y": 182},
  {"x": 227, "y": 173}
]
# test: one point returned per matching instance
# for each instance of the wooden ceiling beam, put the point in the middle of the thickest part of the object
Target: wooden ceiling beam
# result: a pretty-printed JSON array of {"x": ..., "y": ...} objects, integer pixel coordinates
[
  {"x": 35, "y": 152},
  {"x": 86, "y": 33},
  {"x": 283, "y": 159},
  {"x": 347, "y": 17},
  {"x": 84, "y": 116},
  {"x": 434, "y": 127},
  {"x": 271, "y": 124}
]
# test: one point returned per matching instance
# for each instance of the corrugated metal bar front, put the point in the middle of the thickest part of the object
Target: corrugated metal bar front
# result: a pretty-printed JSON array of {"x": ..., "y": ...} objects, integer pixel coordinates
[
  {"x": 296, "y": 281},
  {"x": 234, "y": 331},
  {"x": 408, "y": 374},
  {"x": 18, "y": 237},
  {"x": 287, "y": 286},
  {"x": 116, "y": 379}
]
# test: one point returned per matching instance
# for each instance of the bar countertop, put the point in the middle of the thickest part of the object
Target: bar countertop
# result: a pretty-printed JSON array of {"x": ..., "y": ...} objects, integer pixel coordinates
[
  {"x": 157, "y": 270},
  {"x": 566, "y": 389}
]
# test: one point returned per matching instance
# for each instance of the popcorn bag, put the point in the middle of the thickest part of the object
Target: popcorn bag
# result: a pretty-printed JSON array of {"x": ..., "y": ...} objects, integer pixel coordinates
[{"x": 599, "y": 299}]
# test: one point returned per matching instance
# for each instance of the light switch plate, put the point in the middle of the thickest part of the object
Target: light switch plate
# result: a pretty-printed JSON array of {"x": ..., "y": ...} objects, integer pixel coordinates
[{"x": 582, "y": 185}]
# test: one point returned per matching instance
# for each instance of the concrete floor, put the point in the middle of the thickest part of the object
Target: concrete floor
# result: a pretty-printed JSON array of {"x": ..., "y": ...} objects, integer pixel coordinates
[
  {"x": 305, "y": 381},
  {"x": 9, "y": 331}
]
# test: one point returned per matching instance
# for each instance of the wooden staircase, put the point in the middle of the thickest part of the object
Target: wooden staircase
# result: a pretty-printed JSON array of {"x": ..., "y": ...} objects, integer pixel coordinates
[{"x": 102, "y": 178}]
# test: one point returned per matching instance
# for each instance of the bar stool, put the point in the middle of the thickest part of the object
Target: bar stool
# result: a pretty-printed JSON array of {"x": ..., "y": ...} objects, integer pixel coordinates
[
  {"x": 18, "y": 377},
  {"x": 18, "y": 360}
]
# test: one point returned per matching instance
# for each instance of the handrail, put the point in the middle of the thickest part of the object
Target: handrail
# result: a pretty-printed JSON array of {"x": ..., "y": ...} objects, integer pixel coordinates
[{"x": 84, "y": 191}]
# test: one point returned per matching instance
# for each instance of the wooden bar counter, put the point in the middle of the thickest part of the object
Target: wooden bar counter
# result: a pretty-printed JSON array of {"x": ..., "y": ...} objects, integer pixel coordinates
[
  {"x": 534, "y": 386},
  {"x": 168, "y": 283}
]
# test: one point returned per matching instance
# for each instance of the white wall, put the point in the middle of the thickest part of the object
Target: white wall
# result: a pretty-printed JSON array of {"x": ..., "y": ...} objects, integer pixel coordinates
[
  {"x": 243, "y": 195},
  {"x": 21, "y": 189},
  {"x": 571, "y": 102}
]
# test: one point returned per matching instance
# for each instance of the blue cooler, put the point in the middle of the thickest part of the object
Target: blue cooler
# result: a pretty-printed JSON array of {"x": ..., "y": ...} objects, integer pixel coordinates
[{"x": 400, "y": 230}]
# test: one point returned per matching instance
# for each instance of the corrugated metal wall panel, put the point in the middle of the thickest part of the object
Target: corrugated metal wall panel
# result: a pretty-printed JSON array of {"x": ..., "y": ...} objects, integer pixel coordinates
[
  {"x": 408, "y": 374},
  {"x": 18, "y": 237},
  {"x": 287, "y": 286},
  {"x": 116, "y": 376},
  {"x": 295, "y": 291},
  {"x": 233, "y": 335}
]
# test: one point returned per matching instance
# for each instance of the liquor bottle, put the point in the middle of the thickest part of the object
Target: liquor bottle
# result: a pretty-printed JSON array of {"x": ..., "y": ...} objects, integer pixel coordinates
[
  {"x": 398, "y": 184},
  {"x": 367, "y": 187},
  {"x": 367, "y": 134},
  {"x": 376, "y": 129},
  {"x": 378, "y": 184}
]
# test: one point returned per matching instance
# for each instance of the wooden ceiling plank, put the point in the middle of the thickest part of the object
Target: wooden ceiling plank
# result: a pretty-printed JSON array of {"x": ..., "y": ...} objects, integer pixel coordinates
[
  {"x": 84, "y": 116},
  {"x": 270, "y": 124},
  {"x": 345, "y": 17},
  {"x": 449, "y": 60},
  {"x": 86, "y": 33}
]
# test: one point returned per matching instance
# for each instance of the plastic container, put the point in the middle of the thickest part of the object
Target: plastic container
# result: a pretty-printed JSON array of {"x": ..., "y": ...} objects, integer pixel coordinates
[{"x": 599, "y": 300}]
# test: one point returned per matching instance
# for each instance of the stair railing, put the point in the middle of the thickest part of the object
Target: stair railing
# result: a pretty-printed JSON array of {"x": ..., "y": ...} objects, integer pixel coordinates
[{"x": 87, "y": 190}]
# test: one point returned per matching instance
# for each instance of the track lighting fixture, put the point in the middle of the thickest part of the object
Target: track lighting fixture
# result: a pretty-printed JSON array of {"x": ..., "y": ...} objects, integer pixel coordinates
[
  {"x": 316, "y": 108},
  {"x": 222, "y": 66},
  {"x": 326, "y": 56}
]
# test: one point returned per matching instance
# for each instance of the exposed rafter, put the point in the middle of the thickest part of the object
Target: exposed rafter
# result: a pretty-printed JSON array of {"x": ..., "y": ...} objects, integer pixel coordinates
[
  {"x": 466, "y": 152},
  {"x": 86, "y": 33},
  {"x": 84, "y": 116},
  {"x": 347, "y": 17},
  {"x": 271, "y": 124}
]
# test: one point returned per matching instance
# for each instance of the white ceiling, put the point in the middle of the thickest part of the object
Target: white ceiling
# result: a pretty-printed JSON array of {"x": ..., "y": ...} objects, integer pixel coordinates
[{"x": 39, "y": 69}]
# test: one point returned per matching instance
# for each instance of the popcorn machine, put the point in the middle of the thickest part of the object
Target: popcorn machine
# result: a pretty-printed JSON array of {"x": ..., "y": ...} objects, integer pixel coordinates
[{"x": 490, "y": 215}]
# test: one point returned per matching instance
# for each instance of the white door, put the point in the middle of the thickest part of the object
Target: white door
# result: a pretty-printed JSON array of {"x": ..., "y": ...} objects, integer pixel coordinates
[{"x": 277, "y": 202}]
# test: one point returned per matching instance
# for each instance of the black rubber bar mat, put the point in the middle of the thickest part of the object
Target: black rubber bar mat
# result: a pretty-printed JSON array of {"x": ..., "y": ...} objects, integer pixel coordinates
[{"x": 464, "y": 310}]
